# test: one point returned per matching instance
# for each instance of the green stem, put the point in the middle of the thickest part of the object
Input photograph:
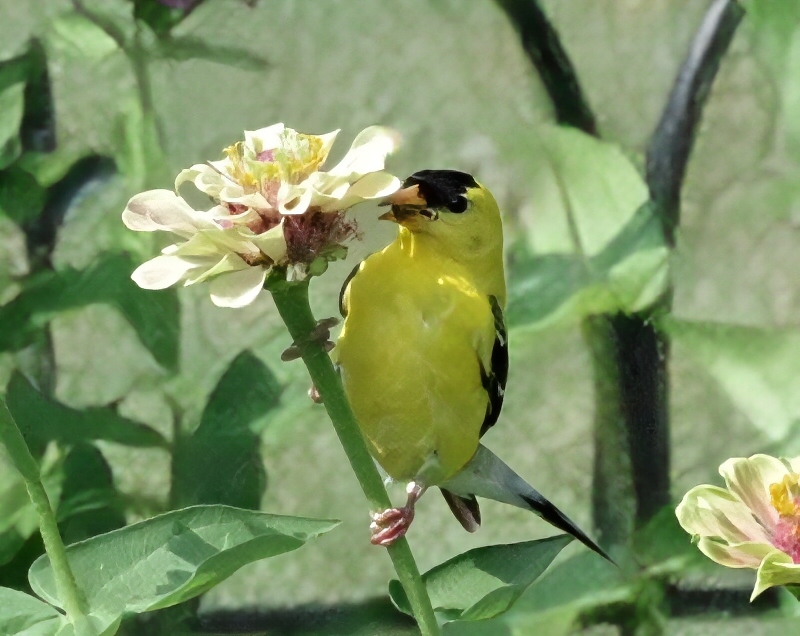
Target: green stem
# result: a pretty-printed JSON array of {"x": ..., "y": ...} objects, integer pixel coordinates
[
  {"x": 10, "y": 435},
  {"x": 291, "y": 299}
]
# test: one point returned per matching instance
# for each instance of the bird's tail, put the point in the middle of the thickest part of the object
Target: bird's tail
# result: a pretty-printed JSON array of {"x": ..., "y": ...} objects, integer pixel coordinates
[{"x": 486, "y": 475}]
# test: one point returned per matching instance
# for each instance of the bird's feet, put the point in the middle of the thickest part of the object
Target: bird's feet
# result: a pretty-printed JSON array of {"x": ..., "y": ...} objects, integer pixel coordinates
[
  {"x": 320, "y": 334},
  {"x": 392, "y": 524}
]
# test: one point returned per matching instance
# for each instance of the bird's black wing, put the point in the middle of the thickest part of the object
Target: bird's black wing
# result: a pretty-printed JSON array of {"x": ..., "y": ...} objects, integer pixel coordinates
[
  {"x": 494, "y": 380},
  {"x": 342, "y": 308}
]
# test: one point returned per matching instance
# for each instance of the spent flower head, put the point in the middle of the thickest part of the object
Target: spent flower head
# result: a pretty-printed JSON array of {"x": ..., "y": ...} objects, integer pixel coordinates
[
  {"x": 273, "y": 208},
  {"x": 754, "y": 522}
]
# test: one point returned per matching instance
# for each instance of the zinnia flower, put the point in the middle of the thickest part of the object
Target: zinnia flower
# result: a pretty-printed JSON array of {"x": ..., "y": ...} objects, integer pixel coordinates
[
  {"x": 274, "y": 208},
  {"x": 754, "y": 522}
]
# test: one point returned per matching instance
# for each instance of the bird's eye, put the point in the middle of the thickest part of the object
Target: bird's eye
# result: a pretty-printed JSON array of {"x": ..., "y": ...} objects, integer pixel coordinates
[{"x": 459, "y": 205}]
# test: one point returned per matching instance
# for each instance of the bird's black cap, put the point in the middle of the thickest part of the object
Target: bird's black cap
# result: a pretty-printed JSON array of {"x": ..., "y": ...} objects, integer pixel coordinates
[{"x": 443, "y": 188}]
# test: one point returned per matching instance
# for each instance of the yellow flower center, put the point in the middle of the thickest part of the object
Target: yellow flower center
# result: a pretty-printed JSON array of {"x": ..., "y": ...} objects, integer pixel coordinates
[
  {"x": 785, "y": 495},
  {"x": 297, "y": 156},
  {"x": 785, "y": 498}
]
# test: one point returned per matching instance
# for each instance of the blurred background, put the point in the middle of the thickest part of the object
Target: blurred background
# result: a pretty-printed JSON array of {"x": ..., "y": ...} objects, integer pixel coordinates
[{"x": 101, "y": 99}]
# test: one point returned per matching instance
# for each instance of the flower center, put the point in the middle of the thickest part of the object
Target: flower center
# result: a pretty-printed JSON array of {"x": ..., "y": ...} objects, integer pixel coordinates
[
  {"x": 785, "y": 498},
  {"x": 296, "y": 157}
]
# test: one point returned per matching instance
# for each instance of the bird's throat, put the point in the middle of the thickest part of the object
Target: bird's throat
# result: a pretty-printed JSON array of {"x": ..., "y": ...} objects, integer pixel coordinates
[{"x": 484, "y": 269}]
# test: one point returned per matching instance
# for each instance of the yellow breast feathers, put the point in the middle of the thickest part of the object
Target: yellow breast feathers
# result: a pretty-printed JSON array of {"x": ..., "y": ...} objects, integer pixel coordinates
[{"x": 416, "y": 337}]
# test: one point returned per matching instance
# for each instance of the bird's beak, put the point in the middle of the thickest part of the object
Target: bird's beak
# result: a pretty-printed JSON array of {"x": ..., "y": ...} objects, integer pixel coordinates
[{"x": 406, "y": 204}]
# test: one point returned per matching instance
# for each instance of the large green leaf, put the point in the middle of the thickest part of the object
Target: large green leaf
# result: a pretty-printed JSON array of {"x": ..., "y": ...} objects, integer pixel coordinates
[
  {"x": 154, "y": 315},
  {"x": 20, "y": 543},
  {"x": 223, "y": 52},
  {"x": 12, "y": 105},
  {"x": 484, "y": 582},
  {"x": 628, "y": 274},
  {"x": 90, "y": 505},
  {"x": 595, "y": 244},
  {"x": 172, "y": 557},
  {"x": 221, "y": 461},
  {"x": 664, "y": 547},
  {"x": 44, "y": 419},
  {"x": 18, "y": 519},
  {"x": 554, "y": 603},
  {"x": 92, "y": 81},
  {"x": 21, "y": 196},
  {"x": 590, "y": 189},
  {"x": 758, "y": 368},
  {"x": 24, "y": 615}
]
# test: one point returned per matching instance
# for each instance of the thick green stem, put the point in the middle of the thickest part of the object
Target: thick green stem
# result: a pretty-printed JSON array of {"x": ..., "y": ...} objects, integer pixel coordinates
[
  {"x": 74, "y": 601},
  {"x": 291, "y": 299}
]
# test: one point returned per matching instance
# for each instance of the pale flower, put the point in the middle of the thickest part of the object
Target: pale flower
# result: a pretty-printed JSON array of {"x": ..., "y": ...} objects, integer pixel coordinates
[
  {"x": 274, "y": 208},
  {"x": 754, "y": 522}
]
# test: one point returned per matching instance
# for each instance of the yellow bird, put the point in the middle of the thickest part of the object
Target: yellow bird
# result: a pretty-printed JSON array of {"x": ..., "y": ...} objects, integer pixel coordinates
[{"x": 423, "y": 353}]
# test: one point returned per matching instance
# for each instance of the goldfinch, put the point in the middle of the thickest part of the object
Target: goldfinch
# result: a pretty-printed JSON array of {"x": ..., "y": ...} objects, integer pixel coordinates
[{"x": 423, "y": 353}]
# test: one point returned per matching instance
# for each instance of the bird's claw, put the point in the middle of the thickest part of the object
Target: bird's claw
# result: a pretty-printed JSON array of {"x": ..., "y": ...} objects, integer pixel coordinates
[
  {"x": 390, "y": 525},
  {"x": 320, "y": 334},
  {"x": 393, "y": 523}
]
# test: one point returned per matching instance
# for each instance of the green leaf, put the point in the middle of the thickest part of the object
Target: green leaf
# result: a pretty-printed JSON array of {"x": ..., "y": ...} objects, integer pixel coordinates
[
  {"x": 44, "y": 419},
  {"x": 11, "y": 541},
  {"x": 484, "y": 582},
  {"x": 776, "y": 36},
  {"x": 154, "y": 315},
  {"x": 582, "y": 578},
  {"x": 157, "y": 15},
  {"x": 79, "y": 36},
  {"x": 48, "y": 168},
  {"x": 221, "y": 461},
  {"x": 190, "y": 48},
  {"x": 664, "y": 547},
  {"x": 13, "y": 501},
  {"x": 21, "y": 197},
  {"x": 90, "y": 505},
  {"x": 12, "y": 106},
  {"x": 20, "y": 543},
  {"x": 491, "y": 627},
  {"x": 758, "y": 368},
  {"x": 555, "y": 602},
  {"x": 628, "y": 274},
  {"x": 591, "y": 184},
  {"x": 172, "y": 557},
  {"x": 23, "y": 615},
  {"x": 91, "y": 78}
]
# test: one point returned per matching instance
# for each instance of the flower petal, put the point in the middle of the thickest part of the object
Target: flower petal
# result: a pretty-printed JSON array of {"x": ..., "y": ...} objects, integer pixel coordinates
[
  {"x": 709, "y": 511},
  {"x": 368, "y": 152},
  {"x": 375, "y": 185},
  {"x": 272, "y": 243},
  {"x": 225, "y": 219},
  {"x": 163, "y": 210},
  {"x": 228, "y": 263},
  {"x": 776, "y": 569},
  {"x": 327, "y": 144},
  {"x": 238, "y": 289},
  {"x": 198, "y": 245},
  {"x": 294, "y": 199},
  {"x": 234, "y": 193},
  {"x": 263, "y": 138},
  {"x": 204, "y": 177},
  {"x": 164, "y": 271},
  {"x": 750, "y": 478},
  {"x": 739, "y": 555},
  {"x": 231, "y": 240}
]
